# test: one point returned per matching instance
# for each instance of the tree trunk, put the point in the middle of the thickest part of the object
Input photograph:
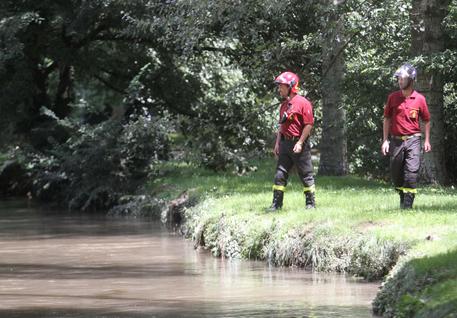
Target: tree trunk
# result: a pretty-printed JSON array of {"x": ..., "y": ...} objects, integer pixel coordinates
[
  {"x": 33, "y": 102},
  {"x": 333, "y": 146},
  {"x": 64, "y": 94},
  {"x": 427, "y": 38},
  {"x": 37, "y": 96}
]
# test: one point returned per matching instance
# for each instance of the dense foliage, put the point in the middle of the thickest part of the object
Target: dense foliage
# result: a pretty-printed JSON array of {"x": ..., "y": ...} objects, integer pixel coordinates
[
  {"x": 98, "y": 164},
  {"x": 204, "y": 68}
]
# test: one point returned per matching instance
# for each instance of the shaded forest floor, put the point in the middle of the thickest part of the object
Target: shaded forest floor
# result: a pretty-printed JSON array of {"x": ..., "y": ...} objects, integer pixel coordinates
[{"x": 356, "y": 228}]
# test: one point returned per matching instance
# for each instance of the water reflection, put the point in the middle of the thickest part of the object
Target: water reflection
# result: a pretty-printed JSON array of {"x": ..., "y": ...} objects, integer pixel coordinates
[{"x": 56, "y": 264}]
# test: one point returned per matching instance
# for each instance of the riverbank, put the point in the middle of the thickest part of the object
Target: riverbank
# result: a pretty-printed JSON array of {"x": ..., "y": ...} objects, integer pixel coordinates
[{"x": 357, "y": 228}]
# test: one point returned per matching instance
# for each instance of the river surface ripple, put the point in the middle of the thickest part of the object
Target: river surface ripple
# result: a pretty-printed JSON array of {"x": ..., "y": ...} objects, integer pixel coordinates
[{"x": 60, "y": 264}]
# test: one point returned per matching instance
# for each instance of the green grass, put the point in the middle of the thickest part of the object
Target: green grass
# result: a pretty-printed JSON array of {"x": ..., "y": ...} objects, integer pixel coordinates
[
  {"x": 423, "y": 287},
  {"x": 356, "y": 228},
  {"x": 344, "y": 204}
]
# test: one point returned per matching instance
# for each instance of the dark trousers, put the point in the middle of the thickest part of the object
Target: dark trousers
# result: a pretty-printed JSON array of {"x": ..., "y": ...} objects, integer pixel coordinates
[
  {"x": 287, "y": 158},
  {"x": 405, "y": 162}
]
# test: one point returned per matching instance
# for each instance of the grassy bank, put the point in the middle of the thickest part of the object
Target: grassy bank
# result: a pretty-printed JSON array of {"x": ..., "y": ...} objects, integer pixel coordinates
[
  {"x": 357, "y": 227},
  {"x": 424, "y": 287}
]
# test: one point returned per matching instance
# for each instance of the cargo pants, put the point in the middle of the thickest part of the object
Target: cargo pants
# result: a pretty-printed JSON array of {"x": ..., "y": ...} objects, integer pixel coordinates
[
  {"x": 287, "y": 159},
  {"x": 405, "y": 163}
]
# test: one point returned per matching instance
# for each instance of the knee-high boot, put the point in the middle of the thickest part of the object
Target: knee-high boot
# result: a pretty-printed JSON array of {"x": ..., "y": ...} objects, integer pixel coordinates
[
  {"x": 278, "y": 197},
  {"x": 310, "y": 200}
]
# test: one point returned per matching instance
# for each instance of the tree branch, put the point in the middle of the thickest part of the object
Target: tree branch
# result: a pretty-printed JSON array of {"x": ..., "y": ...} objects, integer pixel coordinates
[{"x": 340, "y": 51}]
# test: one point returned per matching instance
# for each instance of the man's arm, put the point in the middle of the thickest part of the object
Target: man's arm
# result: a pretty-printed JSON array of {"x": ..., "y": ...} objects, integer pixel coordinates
[
  {"x": 305, "y": 134},
  {"x": 276, "y": 148},
  {"x": 385, "y": 136},
  {"x": 427, "y": 146}
]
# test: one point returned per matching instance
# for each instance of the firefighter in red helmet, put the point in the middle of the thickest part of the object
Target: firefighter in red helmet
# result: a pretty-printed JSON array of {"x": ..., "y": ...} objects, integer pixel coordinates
[{"x": 292, "y": 145}]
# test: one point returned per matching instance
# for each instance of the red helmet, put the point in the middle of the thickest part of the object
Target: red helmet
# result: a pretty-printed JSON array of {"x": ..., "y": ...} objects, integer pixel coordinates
[{"x": 290, "y": 79}]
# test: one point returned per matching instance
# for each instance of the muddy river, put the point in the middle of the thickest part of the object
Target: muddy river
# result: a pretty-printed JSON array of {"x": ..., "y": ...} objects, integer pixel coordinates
[{"x": 61, "y": 264}]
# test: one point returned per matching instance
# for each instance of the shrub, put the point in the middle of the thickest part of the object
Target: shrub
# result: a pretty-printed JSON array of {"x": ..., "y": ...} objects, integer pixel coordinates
[{"x": 97, "y": 165}]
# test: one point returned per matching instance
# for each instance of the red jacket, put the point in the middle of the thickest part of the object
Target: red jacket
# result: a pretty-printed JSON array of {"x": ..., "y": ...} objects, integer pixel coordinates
[
  {"x": 299, "y": 113},
  {"x": 405, "y": 113}
]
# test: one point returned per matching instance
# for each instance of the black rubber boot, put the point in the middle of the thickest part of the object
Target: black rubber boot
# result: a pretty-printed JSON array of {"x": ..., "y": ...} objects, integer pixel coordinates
[
  {"x": 402, "y": 199},
  {"x": 408, "y": 200},
  {"x": 310, "y": 200},
  {"x": 278, "y": 197}
]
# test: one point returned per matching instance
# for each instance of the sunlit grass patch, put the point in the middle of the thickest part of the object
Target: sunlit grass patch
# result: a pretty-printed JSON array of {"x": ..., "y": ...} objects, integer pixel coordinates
[{"x": 357, "y": 226}]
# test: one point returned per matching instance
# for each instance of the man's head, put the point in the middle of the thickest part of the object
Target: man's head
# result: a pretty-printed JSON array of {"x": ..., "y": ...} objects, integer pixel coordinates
[
  {"x": 405, "y": 75},
  {"x": 287, "y": 83}
]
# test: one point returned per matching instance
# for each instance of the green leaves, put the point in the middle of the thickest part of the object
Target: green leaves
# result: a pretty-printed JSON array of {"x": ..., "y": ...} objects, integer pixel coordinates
[{"x": 208, "y": 62}]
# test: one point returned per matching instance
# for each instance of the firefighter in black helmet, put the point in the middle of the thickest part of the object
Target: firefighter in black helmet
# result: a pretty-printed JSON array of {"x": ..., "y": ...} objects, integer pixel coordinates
[{"x": 402, "y": 114}]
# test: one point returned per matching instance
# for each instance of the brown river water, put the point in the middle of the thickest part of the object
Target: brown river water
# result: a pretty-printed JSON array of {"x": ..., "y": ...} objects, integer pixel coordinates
[{"x": 61, "y": 264}]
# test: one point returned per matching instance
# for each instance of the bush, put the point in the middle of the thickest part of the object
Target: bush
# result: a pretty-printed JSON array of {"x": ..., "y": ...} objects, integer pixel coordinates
[
  {"x": 233, "y": 123},
  {"x": 98, "y": 165},
  {"x": 450, "y": 122}
]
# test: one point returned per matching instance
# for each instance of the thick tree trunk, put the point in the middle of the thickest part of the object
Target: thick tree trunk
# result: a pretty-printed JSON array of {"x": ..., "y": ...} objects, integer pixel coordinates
[
  {"x": 333, "y": 146},
  {"x": 37, "y": 96},
  {"x": 33, "y": 102},
  {"x": 64, "y": 94},
  {"x": 427, "y": 38}
]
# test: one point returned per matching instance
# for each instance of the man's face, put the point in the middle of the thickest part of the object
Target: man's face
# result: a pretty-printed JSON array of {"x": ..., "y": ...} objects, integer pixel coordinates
[
  {"x": 404, "y": 82},
  {"x": 283, "y": 90}
]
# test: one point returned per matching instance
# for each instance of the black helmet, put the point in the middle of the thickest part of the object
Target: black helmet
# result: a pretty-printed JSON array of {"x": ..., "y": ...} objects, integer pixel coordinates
[{"x": 406, "y": 70}]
